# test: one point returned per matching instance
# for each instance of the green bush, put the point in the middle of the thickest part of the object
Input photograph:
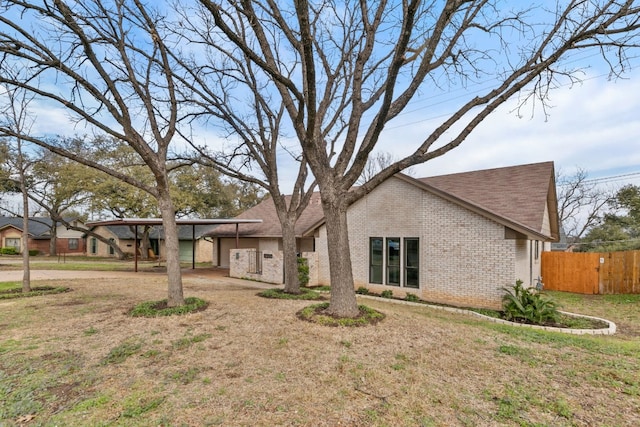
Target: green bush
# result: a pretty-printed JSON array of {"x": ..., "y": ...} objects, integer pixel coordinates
[
  {"x": 387, "y": 294},
  {"x": 33, "y": 252},
  {"x": 303, "y": 271},
  {"x": 362, "y": 291},
  {"x": 528, "y": 305},
  {"x": 412, "y": 298},
  {"x": 8, "y": 251}
]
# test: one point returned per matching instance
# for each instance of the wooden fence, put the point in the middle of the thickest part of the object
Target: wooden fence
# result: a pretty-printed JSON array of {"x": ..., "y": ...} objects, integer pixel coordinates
[{"x": 592, "y": 273}]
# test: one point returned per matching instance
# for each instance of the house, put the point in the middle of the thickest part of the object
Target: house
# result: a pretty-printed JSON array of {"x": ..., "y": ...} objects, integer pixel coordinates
[
  {"x": 455, "y": 239},
  {"x": 124, "y": 237},
  {"x": 41, "y": 230}
]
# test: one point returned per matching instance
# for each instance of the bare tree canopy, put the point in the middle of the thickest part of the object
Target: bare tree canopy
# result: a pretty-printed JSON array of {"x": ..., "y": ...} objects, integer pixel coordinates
[
  {"x": 106, "y": 64},
  {"x": 343, "y": 72},
  {"x": 582, "y": 203}
]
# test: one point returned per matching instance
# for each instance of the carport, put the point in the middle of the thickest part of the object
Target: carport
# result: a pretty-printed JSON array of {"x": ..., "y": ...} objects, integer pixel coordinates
[{"x": 135, "y": 222}]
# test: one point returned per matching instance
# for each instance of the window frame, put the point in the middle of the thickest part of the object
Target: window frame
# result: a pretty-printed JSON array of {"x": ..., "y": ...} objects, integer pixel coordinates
[
  {"x": 378, "y": 267},
  {"x": 407, "y": 267},
  {"x": 395, "y": 267}
]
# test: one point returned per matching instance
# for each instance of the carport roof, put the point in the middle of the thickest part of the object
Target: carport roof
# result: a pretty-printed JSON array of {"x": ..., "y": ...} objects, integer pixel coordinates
[{"x": 179, "y": 221}]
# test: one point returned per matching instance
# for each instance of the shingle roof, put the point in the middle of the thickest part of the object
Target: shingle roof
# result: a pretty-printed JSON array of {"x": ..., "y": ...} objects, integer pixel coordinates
[
  {"x": 270, "y": 226},
  {"x": 39, "y": 227},
  {"x": 518, "y": 194},
  {"x": 515, "y": 195}
]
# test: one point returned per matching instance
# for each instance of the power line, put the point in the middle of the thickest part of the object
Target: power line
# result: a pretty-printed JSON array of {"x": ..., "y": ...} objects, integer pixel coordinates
[{"x": 611, "y": 178}]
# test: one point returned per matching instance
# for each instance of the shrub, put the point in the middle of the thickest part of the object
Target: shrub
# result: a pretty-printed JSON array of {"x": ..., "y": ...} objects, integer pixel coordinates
[
  {"x": 362, "y": 291},
  {"x": 8, "y": 251},
  {"x": 528, "y": 305},
  {"x": 33, "y": 252},
  {"x": 303, "y": 271},
  {"x": 387, "y": 294},
  {"x": 412, "y": 298}
]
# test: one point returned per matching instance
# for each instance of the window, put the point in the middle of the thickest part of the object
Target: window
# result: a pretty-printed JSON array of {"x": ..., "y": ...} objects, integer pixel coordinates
[
  {"x": 537, "y": 250},
  {"x": 376, "y": 258},
  {"x": 93, "y": 244},
  {"x": 12, "y": 243},
  {"x": 111, "y": 250},
  {"x": 398, "y": 258},
  {"x": 73, "y": 244},
  {"x": 393, "y": 261},
  {"x": 411, "y": 262}
]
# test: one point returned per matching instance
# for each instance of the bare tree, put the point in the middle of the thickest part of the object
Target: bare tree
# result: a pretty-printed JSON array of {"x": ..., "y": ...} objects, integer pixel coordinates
[
  {"x": 343, "y": 72},
  {"x": 581, "y": 203},
  {"x": 375, "y": 163},
  {"x": 16, "y": 116},
  {"x": 228, "y": 90},
  {"x": 107, "y": 65}
]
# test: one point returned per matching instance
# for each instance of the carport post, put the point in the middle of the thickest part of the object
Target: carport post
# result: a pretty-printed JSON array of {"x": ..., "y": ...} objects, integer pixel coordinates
[
  {"x": 135, "y": 249},
  {"x": 193, "y": 246},
  {"x": 237, "y": 236}
]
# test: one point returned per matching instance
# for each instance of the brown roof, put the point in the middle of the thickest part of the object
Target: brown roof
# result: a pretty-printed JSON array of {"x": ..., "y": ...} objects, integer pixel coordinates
[
  {"x": 270, "y": 226},
  {"x": 515, "y": 196}
]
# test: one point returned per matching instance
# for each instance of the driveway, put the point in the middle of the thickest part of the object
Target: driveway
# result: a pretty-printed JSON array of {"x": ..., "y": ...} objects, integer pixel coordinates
[{"x": 219, "y": 275}]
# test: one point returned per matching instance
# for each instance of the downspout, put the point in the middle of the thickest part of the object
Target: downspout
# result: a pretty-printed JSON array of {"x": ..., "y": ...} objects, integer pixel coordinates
[{"x": 530, "y": 262}]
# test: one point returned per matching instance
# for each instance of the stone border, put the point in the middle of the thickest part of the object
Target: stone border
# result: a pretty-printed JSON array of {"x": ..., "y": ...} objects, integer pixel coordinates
[{"x": 604, "y": 331}]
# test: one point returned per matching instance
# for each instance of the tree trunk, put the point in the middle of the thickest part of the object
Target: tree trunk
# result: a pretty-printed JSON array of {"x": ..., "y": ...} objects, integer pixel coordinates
[
  {"x": 53, "y": 242},
  {"x": 291, "y": 282},
  {"x": 26, "y": 270},
  {"x": 343, "y": 295},
  {"x": 174, "y": 275}
]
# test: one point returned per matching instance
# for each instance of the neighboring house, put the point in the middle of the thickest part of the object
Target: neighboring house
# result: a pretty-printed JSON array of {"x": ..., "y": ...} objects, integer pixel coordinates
[
  {"x": 455, "y": 239},
  {"x": 68, "y": 242},
  {"x": 124, "y": 237}
]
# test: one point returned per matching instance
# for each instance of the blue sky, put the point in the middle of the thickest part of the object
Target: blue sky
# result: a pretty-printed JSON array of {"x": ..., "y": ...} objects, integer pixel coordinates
[{"x": 593, "y": 126}]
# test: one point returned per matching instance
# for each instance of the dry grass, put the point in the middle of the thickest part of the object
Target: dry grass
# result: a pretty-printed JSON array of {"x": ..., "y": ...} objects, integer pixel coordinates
[{"x": 249, "y": 361}]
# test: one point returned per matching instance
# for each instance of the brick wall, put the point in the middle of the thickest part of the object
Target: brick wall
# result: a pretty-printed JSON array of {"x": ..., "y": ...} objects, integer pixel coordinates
[
  {"x": 464, "y": 257},
  {"x": 272, "y": 266}
]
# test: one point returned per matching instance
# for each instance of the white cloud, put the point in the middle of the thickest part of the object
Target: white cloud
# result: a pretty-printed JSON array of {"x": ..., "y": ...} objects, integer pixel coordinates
[{"x": 594, "y": 126}]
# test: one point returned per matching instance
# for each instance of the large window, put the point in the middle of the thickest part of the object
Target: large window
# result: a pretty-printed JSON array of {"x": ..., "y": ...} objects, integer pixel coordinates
[
  {"x": 394, "y": 261},
  {"x": 93, "y": 244},
  {"x": 411, "y": 264},
  {"x": 376, "y": 259}
]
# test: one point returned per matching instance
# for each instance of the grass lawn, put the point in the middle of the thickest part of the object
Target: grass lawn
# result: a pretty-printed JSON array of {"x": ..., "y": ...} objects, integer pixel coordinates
[
  {"x": 77, "y": 359},
  {"x": 83, "y": 263}
]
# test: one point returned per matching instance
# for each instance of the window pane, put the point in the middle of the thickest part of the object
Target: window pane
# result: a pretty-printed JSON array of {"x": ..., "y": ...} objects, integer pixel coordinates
[
  {"x": 73, "y": 243},
  {"x": 376, "y": 256},
  {"x": 393, "y": 276},
  {"x": 411, "y": 278},
  {"x": 393, "y": 251},
  {"x": 393, "y": 261},
  {"x": 411, "y": 262}
]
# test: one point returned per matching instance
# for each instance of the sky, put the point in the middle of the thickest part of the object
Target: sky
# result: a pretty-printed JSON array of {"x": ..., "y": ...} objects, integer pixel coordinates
[{"x": 593, "y": 126}]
